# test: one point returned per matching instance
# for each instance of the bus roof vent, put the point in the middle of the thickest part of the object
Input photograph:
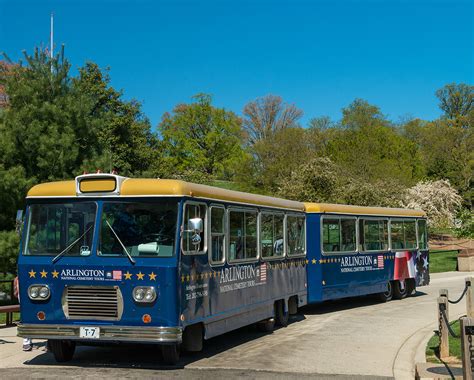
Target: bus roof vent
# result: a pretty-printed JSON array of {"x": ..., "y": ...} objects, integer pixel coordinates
[{"x": 99, "y": 184}]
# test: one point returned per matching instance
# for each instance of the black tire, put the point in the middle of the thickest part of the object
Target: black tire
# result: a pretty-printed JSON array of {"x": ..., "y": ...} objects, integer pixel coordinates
[
  {"x": 170, "y": 353},
  {"x": 293, "y": 305},
  {"x": 281, "y": 316},
  {"x": 268, "y": 325},
  {"x": 193, "y": 338},
  {"x": 400, "y": 290},
  {"x": 63, "y": 350},
  {"x": 388, "y": 294}
]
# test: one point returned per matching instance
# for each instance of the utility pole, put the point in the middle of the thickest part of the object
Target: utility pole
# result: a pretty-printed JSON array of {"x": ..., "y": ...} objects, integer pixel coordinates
[{"x": 52, "y": 40}]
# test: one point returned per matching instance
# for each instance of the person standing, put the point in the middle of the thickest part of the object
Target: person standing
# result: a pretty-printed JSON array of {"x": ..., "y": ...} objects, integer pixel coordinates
[{"x": 27, "y": 343}]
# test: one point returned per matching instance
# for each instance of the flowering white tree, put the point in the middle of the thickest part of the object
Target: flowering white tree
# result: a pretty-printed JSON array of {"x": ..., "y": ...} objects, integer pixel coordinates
[{"x": 438, "y": 199}]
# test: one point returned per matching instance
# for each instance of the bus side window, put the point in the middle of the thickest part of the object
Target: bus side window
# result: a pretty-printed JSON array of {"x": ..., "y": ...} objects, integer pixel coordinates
[
  {"x": 193, "y": 210},
  {"x": 242, "y": 235},
  {"x": 296, "y": 235},
  {"x": 217, "y": 234},
  {"x": 271, "y": 235}
]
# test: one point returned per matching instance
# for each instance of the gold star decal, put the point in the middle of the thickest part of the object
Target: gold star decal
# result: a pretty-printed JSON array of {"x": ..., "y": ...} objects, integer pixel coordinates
[
  {"x": 128, "y": 275},
  {"x": 320, "y": 261},
  {"x": 182, "y": 278},
  {"x": 43, "y": 274},
  {"x": 187, "y": 277},
  {"x": 32, "y": 273},
  {"x": 140, "y": 275},
  {"x": 307, "y": 261},
  {"x": 215, "y": 274},
  {"x": 313, "y": 261},
  {"x": 55, "y": 273},
  {"x": 152, "y": 276}
]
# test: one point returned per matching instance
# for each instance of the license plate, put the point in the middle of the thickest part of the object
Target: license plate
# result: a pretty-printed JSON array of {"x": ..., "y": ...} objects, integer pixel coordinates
[{"x": 89, "y": 332}]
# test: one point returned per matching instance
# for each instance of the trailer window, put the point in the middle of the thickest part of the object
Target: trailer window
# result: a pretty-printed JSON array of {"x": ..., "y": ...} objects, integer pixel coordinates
[
  {"x": 339, "y": 235},
  {"x": 422, "y": 234},
  {"x": 403, "y": 234},
  {"x": 373, "y": 234}
]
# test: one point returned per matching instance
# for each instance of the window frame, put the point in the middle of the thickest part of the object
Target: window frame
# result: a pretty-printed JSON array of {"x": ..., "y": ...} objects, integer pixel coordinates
[
  {"x": 340, "y": 217},
  {"x": 400, "y": 219},
  {"x": 224, "y": 257},
  {"x": 95, "y": 229},
  {"x": 285, "y": 251},
  {"x": 364, "y": 218},
  {"x": 204, "y": 223},
  {"x": 246, "y": 260}
]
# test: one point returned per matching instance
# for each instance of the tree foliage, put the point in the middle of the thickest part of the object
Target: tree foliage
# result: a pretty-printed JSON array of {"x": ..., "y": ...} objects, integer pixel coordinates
[
  {"x": 438, "y": 199},
  {"x": 267, "y": 115},
  {"x": 201, "y": 138}
]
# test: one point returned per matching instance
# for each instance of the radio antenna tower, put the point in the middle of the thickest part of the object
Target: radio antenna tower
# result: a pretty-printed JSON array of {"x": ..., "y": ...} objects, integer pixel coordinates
[{"x": 52, "y": 40}]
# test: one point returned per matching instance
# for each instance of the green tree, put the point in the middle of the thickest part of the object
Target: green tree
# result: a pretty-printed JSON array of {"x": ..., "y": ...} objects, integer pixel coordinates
[
  {"x": 456, "y": 101},
  {"x": 199, "y": 137},
  {"x": 370, "y": 148}
]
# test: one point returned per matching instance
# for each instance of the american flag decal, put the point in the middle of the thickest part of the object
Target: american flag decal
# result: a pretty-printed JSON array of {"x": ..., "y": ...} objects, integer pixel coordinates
[
  {"x": 380, "y": 261},
  {"x": 263, "y": 272},
  {"x": 117, "y": 275}
]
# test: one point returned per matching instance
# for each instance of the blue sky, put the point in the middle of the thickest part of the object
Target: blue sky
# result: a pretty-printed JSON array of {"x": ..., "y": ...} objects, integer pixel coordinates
[{"x": 319, "y": 55}]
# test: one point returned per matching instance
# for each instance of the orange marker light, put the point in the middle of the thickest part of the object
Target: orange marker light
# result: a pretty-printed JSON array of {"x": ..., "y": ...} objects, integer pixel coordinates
[
  {"x": 146, "y": 318},
  {"x": 41, "y": 315}
]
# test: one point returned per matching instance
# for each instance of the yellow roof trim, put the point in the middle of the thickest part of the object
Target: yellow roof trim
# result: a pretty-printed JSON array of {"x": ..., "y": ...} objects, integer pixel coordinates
[
  {"x": 167, "y": 187},
  {"x": 360, "y": 210},
  {"x": 53, "y": 189}
]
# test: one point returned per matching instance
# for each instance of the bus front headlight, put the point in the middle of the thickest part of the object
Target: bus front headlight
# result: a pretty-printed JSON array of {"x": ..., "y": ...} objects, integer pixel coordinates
[
  {"x": 144, "y": 294},
  {"x": 39, "y": 292}
]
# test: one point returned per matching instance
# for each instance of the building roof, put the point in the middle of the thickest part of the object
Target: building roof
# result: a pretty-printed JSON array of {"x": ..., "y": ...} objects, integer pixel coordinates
[{"x": 360, "y": 210}]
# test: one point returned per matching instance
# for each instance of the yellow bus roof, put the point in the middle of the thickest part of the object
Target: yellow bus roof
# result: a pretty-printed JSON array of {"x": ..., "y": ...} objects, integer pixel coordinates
[
  {"x": 361, "y": 210},
  {"x": 97, "y": 185},
  {"x": 140, "y": 187}
]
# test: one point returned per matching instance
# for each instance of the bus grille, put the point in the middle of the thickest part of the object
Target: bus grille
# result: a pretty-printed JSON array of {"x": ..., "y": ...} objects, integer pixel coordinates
[{"x": 92, "y": 302}]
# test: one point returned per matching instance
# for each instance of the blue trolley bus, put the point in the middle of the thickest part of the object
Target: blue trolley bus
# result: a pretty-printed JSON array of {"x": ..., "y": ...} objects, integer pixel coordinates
[{"x": 106, "y": 258}]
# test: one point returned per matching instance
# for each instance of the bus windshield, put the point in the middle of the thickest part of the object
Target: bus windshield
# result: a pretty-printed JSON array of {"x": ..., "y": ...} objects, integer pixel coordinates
[
  {"x": 60, "y": 228},
  {"x": 138, "y": 229}
]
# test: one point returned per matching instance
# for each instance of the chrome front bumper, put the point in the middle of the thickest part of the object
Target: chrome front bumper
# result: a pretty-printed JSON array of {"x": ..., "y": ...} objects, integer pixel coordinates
[{"x": 135, "y": 334}]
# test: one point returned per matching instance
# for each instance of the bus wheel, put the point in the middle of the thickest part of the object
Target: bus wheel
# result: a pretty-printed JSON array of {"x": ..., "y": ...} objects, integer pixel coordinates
[
  {"x": 267, "y": 325},
  {"x": 400, "y": 289},
  {"x": 280, "y": 315},
  {"x": 388, "y": 294},
  {"x": 411, "y": 287},
  {"x": 170, "y": 353},
  {"x": 63, "y": 350}
]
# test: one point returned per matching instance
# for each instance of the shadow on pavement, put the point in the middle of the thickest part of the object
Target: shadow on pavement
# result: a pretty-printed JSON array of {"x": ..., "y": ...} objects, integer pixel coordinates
[{"x": 149, "y": 356}]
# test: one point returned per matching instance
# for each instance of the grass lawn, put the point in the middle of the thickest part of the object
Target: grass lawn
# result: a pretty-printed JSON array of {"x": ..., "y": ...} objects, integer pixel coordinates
[
  {"x": 443, "y": 261},
  {"x": 3, "y": 317},
  {"x": 432, "y": 348}
]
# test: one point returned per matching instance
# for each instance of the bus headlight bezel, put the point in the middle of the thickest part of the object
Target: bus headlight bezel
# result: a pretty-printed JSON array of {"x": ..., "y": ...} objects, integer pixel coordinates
[
  {"x": 144, "y": 294},
  {"x": 39, "y": 292}
]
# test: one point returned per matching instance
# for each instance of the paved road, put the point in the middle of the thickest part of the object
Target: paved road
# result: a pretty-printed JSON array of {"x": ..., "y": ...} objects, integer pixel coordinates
[{"x": 336, "y": 340}]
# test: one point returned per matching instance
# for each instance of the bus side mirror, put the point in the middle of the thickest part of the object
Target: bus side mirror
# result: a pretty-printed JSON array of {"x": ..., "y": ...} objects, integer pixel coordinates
[
  {"x": 19, "y": 221},
  {"x": 195, "y": 226}
]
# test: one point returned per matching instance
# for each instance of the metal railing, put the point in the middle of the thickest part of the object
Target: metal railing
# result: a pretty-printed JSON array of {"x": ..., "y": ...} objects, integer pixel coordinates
[{"x": 466, "y": 327}]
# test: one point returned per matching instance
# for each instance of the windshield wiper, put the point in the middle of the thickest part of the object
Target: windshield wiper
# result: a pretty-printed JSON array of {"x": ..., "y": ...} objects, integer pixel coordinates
[
  {"x": 65, "y": 250},
  {"x": 120, "y": 241}
]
